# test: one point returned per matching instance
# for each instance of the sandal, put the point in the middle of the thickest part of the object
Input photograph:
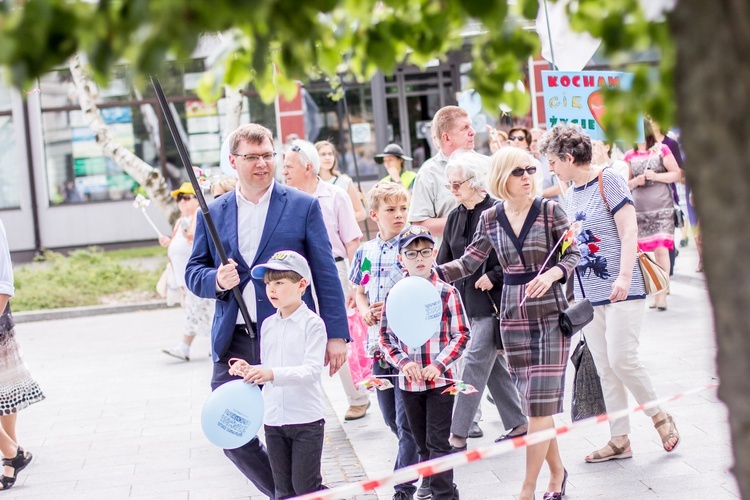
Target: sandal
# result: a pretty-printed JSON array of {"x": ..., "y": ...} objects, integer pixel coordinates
[
  {"x": 619, "y": 454},
  {"x": 673, "y": 433},
  {"x": 18, "y": 463}
]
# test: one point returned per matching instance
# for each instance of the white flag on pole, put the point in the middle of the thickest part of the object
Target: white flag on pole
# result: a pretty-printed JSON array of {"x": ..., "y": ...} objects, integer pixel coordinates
[{"x": 573, "y": 50}]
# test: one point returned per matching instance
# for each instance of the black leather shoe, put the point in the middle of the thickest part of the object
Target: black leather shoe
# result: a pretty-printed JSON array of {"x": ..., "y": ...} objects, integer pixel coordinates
[
  {"x": 475, "y": 431},
  {"x": 557, "y": 495}
]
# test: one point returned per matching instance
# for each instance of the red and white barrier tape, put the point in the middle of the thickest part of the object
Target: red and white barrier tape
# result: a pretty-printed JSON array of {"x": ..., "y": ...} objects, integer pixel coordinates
[{"x": 425, "y": 469}]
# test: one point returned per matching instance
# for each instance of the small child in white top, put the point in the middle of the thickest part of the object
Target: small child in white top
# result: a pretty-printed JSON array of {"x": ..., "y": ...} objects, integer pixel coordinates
[{"x": 292, "y": 350}]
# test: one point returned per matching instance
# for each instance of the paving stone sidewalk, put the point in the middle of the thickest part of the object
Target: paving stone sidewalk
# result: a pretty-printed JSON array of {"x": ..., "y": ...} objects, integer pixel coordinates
[
  {"x": 122, "y": 420},
  {"x": 678, "y": 349}
]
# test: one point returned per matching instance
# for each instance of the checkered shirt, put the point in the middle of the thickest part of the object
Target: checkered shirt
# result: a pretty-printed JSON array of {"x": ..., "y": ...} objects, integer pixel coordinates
[
  {"x": 440, "y": 350},
  {"x": 385, "y": 271}
]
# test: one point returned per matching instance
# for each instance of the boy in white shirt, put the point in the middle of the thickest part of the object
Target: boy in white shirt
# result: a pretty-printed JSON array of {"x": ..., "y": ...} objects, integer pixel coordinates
[{"x": 292, "y": 350}]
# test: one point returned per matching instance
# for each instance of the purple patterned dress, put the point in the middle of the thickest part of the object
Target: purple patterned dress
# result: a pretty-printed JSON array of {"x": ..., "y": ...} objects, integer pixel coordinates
[{"x": 537, "y": 351}]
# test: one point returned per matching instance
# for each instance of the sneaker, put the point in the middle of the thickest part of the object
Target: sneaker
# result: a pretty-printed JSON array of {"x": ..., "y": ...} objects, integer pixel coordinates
[
  {"x": 177, "y": 353},
  {"x": 402, "y": 495},
  {"x": 475, "y": 431},
  {"x": 424, "y": 492},
  {"x": 356, "y": 412}
]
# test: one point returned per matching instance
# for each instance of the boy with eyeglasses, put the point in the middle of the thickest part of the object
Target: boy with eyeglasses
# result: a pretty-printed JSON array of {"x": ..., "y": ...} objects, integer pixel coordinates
[{"x": 426, "y": 370}]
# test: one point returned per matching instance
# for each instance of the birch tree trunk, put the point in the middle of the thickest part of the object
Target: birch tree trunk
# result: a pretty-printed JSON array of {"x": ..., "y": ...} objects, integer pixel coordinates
[
  {"x": 234, "y": 110},
  {"x": 144, "y": 174},
  {"x": 712, "y": 83}
]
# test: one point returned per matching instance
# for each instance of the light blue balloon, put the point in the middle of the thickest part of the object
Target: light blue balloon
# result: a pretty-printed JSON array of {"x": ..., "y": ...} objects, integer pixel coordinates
[
  {"x": 413, "y": 310},
  {"x": 226, "y": 167},
  {"x": 232, "y": 414}
]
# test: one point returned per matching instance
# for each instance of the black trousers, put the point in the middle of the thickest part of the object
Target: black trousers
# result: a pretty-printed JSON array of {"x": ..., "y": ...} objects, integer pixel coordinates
[
  {"x": 295, "y": 453},
  {"x": 392, "y": 407},
  {"x": 251, "y": 459},
  {"x": 429, "y": 413}
]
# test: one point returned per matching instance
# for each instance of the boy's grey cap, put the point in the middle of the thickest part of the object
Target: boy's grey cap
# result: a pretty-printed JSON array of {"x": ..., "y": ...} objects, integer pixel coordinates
[
  {"x": 414, "y": 233},
  {"x": 285, "y": 260}
]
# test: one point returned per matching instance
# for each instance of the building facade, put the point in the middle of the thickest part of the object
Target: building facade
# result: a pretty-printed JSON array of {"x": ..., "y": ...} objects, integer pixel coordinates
[{"x": 59, "y": 191}]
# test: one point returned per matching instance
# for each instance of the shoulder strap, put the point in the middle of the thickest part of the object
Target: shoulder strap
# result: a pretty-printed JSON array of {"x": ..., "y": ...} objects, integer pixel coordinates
[
  {"x": 601, "y": 191},
  {"x": 545, "y": 202}
]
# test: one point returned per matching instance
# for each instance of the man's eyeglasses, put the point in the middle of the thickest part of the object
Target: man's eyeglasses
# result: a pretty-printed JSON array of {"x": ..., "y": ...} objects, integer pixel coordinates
[
  {"x": 518, "y": 172},
  {"x": 517, "y": 138},
  {"x": 455, "y": 186},
  {"x": 412, "y": 254},
  {"x": 267, "y": 157},
  {"x": 183, "y": 197}
]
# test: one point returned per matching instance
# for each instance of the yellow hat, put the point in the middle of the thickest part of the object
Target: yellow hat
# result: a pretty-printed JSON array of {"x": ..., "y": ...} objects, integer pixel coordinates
[{"x": 185, "y": 188}]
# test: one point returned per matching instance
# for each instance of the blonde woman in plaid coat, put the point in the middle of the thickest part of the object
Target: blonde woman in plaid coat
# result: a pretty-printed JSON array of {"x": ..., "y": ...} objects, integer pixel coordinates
[{"x": 537, "y": 351}]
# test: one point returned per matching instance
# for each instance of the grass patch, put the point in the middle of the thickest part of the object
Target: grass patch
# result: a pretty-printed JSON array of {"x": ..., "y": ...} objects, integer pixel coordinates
[
  {"x": 136, "y": 253},
  {"x": 83, "y": 278}
]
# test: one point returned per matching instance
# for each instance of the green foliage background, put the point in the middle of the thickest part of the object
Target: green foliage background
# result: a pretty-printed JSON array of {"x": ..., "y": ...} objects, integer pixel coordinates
[{"x": 274, "y": 43}]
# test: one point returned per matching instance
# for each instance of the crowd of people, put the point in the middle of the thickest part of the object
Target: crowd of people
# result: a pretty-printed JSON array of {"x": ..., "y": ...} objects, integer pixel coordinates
[{"x": 479, "y": 229}]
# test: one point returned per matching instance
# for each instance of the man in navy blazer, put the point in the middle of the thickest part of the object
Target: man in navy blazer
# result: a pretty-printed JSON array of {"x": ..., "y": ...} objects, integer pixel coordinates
[{"x": 258, "y": 219}]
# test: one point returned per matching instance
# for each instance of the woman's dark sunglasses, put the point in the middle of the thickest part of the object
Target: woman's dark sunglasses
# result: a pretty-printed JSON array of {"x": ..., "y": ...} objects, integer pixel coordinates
[
  {"x": 181, "y": 197},
  {"x": 518, "y": 172}
]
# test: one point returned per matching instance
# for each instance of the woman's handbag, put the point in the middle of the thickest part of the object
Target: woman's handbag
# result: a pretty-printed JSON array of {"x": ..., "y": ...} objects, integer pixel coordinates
[
  {"x": 575, "y": 317},
  {"x": 588, "y": 398},
  {"x": 572, "y": 318},
  {"x": 655, "y": 277}
]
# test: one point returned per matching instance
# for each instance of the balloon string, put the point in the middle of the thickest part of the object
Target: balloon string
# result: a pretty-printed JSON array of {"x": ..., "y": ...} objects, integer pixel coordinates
[{"x": 241, "y": 369}]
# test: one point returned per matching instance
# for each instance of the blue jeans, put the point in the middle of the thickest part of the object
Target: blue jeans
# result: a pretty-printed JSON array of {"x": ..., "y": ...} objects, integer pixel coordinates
[
  {"x": 294, "y": 452},
  {"x": 392, "y": 407},
  {"x": 251, "y": 459}
]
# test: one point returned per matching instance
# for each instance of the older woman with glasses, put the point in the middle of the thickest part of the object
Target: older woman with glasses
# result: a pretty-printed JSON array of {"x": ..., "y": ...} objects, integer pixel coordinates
[
  {"x": 481, "y": 293},
  {"x": 601, "y": 202},
  {"x": 521, "y": 230}
]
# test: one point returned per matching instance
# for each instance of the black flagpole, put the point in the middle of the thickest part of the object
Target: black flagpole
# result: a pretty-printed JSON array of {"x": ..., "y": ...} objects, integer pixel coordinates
[{"x": 185, "y": 157}]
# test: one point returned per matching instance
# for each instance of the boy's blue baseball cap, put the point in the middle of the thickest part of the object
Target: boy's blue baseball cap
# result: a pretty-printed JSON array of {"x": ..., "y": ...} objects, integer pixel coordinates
[
  {"x": 412, "y": 234},
  {"x": 285, "y": 260}
]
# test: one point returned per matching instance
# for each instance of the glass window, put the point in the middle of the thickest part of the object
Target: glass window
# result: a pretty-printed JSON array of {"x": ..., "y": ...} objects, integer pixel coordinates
[
  {"x": 329, "y": 123},
  {"x": 77, "y": 169},
  {"x": 10, "y": 190}
]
